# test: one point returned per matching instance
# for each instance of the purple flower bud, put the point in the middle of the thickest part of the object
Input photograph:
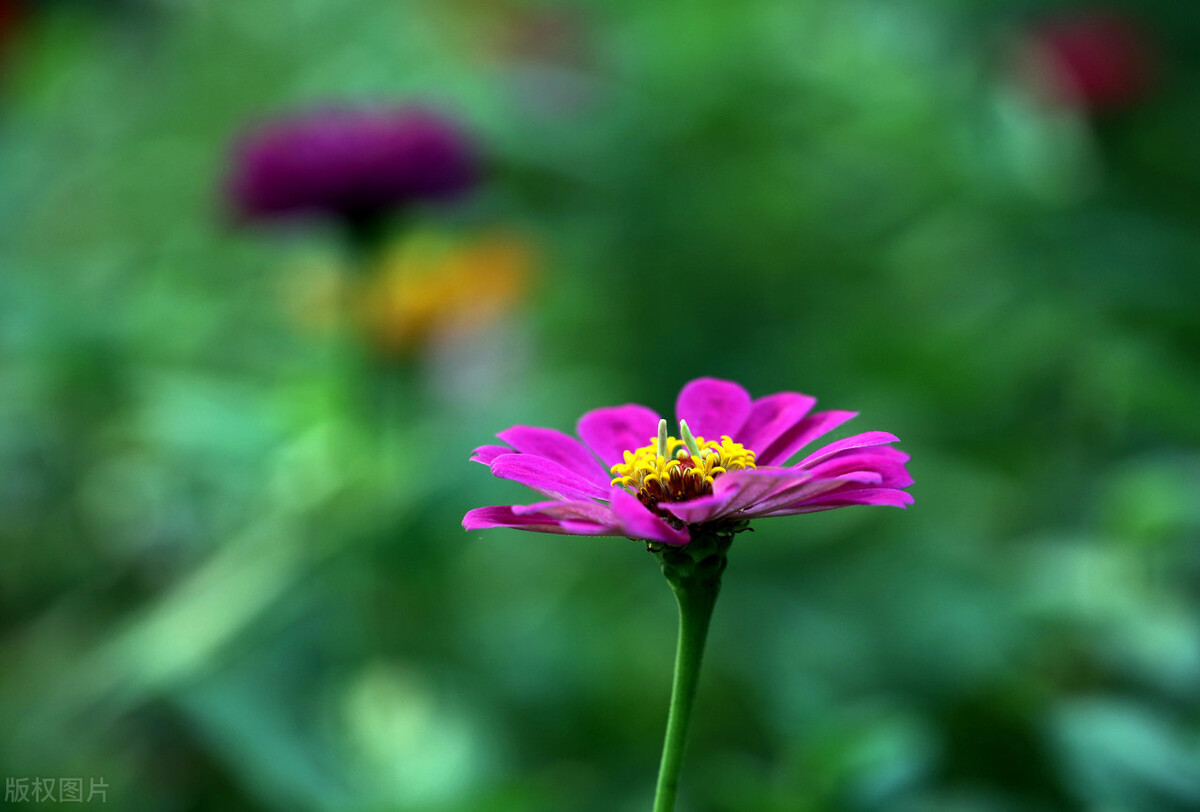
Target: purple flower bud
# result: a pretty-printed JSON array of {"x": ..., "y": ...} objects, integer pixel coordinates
[{"x": 353, "y": 164}]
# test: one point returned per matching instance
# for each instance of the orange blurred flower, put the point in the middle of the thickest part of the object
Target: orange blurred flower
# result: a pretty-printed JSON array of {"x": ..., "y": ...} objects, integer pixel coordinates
[{"x": 429, "y": 285}]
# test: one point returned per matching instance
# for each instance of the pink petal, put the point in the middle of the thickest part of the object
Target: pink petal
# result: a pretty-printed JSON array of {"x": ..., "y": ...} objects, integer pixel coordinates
[
  {"x": 853, "y": 496},
  {"x": 868, "y": 438},
  {"x": 503, "y": 516},
  {"x": 734, "y": 492},
  {"x": 890, "y": 468},
  {"x": 638, "y": 522},
  {"x": 587, "y": 511},
  {"x": 804, "y": 492},
  {"x": 771, "y": 416},
  {"x": 867, "y": 496},
  {"x": 712, "y": 408},
  {"x": 800, "y": 435},
  {"x": 487, "y": 453},
  {"x": 613, "y": 430},
  {"x": 546, "y": 476},
  {"x": 554, "y": 445}
]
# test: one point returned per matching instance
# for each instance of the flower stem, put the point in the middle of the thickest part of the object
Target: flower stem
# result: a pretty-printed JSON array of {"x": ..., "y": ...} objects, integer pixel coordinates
[
  {"x": 694, "y": 573},
  {"x": 366, "y": 239},
  {"x": 695, "y": 610}
]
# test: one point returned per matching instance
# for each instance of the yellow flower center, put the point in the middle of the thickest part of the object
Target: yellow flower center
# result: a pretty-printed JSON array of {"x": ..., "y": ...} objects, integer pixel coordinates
[{"x": 679, "y": 474}]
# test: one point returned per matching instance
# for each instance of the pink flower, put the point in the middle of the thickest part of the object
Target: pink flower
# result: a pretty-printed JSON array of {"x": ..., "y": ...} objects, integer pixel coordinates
[{"x": 629, "y": 477}]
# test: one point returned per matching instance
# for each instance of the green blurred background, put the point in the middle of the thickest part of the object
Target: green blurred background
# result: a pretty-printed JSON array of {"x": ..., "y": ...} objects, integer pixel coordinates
[{"x": 232, "y": 575}]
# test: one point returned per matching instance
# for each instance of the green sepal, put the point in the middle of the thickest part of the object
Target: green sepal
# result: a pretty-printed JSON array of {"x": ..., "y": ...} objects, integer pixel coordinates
[{"x": 702, "y": 561}]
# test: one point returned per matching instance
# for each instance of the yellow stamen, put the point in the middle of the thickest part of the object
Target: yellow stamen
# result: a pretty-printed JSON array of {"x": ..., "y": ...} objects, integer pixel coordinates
[{"x": 679, "y": 474}]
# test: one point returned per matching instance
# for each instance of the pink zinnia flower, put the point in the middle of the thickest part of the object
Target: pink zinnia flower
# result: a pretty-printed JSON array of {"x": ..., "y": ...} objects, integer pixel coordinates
[
  {"x": 688, "y": 496},
  {"x": 730, "y": 463}
]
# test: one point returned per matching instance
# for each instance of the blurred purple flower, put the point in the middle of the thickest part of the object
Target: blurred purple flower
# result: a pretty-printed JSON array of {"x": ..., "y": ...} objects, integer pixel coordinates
[
  {"x": 670, "y": 489},
  {"x": 353, "y": 164}
]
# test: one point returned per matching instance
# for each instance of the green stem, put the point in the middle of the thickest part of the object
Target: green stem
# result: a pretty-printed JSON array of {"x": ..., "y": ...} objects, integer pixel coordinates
[
  {"x": 694, "y": 573},
  {"x": 696, "y": 602},
  {"x": 366, "y": 239}
]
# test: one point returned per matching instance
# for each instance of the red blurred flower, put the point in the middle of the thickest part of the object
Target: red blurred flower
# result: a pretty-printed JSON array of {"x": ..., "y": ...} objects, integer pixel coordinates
[
  {"x": 1100, "y": 61},
  {"x": 11, "y": 14}
]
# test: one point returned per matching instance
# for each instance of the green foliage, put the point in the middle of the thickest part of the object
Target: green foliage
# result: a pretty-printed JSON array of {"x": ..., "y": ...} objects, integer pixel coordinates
[{"x": 232, "y": 573}]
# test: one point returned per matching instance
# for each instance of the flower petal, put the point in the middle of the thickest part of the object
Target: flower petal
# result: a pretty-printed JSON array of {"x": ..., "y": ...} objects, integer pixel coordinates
[
  {"x": 713, "y": 407},
  {"x": 867, "y": 496},
  {"x": 561, "y": 448},
  {"x": 586, "y": 511},
  {"x": 613, "y": 430},
  {"x": 890, "y": 467},
  {"x": 771, "y": 416},
  {"x": 806, "y": 491},
  {"x": 504, "y": 516},
  {"x": 810, "y": 428},
  {"x": 546, "y": 477},
  {"x": 733, "y": 493},
  {"x": 866, "y": 439},
  {"x": 487, "y": 453},
  {"x": 850, "y": 496},
  {"x": 638, "y": 522}
]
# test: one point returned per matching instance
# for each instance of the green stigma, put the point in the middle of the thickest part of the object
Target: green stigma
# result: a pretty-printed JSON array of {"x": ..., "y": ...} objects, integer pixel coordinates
[
  {"x": 662, "y": 438},
  {"x": 686, "y": 434}
]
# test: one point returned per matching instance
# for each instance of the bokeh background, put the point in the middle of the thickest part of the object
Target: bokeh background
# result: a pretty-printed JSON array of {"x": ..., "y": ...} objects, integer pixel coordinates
[{"x": 233, "y": 461}]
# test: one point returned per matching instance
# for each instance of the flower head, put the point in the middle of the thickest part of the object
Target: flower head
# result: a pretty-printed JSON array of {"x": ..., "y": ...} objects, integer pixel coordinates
[
  {"x": 353, "y": 164},
  {"x": 429, "y": 285},
  {"x": 730, "y": 461},
  {"x": 12, "y": 13},
  {"x": 1095, "y": 61}
]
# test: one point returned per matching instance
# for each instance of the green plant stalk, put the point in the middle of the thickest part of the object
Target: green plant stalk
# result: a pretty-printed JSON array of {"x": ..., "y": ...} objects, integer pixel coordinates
[
  {"x": 694, "y": 573},
  {"x": 696, "y": 604}
]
